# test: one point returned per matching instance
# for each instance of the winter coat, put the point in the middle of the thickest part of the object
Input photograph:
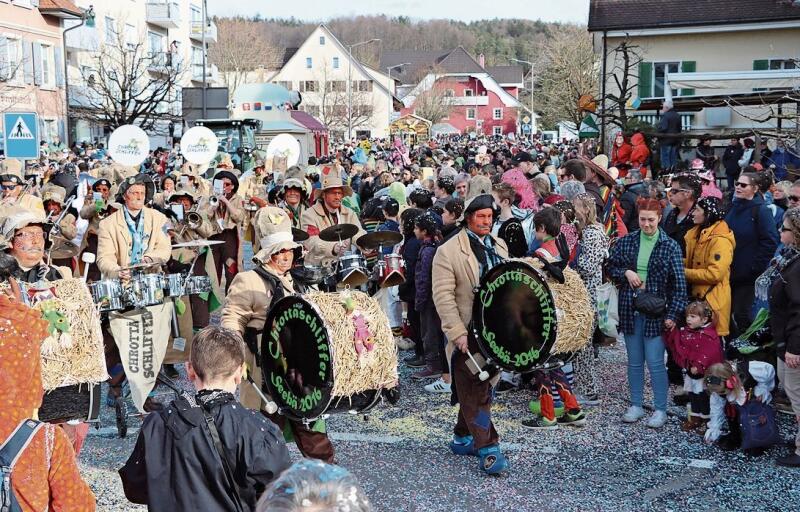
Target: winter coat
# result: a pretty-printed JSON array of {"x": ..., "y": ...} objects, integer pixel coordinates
[
  {"x": 410, "y": 252},
  {"x": 708, "y": 269},
  {"x": 423, "y": 296},
  {"x": 780, "y": 158},
  {"x": 698, "y": 348},
  {"x": 669, "y": 124},
  {"x": 621, "y": 155},
  {"x": 665, "y": 279},
  {"x": 640, "y": 152},
  {"x": 114, "y": 241},
  {"x": 175, "y": 466},
  {"x": 513, "y": 235},
  {"x": 747, "y": 157},
  {"x": 45, "y": 476},
  {"x": 315, "y": 220},
  {"x": 756, "y": 239},
  {"x": 628, "y": 203},
  {"x": 677, "y": 230},
  {"x": 784, "y": 310},
  {"x": 730, "y": 159}
]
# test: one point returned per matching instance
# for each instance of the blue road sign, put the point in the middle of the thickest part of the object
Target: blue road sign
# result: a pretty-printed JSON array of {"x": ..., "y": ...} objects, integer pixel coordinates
[{"x": 21, "y": 134}]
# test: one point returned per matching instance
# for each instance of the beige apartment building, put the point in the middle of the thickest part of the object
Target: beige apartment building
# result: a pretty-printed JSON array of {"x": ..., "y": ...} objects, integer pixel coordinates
[
  {"x": 685, "y": 36},
  {"x": 172, "y": 31},
  {"x": 32, "y": 60}
]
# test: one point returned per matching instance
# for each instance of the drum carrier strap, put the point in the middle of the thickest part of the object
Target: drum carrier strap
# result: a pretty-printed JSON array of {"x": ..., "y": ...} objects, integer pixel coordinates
[
  {"x": 251, "y": 333},
  {"x": 10, "y": 451}
]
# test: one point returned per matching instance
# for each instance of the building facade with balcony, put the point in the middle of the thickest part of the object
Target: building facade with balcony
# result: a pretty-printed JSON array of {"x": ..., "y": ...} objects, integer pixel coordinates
[
  {"x": 689, "y": 37},
  {"x": 476, "y": 98},
  {"x": 32, "y": 61},
  {"x": 171, "y": 32}
]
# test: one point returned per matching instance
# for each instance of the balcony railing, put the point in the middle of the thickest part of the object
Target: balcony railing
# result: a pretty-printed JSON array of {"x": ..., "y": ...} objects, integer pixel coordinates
[
  {"x": 196, "y": 31},
  {"x": 466, "y": 101},
  {"x": 686, "y": 120},
  {"x": 83, "y": 38},
  {"x": 164, "y": 14}
]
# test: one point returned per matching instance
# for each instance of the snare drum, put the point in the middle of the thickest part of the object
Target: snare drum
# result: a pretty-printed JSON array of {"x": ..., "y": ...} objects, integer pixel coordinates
[
  {"x": 310, "y": 274},
  {"x": 391, "y": 270},
  {"x": 352, "y": 270},
  {"x": 197, "y": 284},
  {"x": 107, "y": 294},
  {"x": 173, "y": 284},
  {"x": 148, "y": 289}
]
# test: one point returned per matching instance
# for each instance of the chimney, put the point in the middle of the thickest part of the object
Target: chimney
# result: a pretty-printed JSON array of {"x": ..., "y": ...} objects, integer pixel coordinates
[{"x": 482, "y": 60}]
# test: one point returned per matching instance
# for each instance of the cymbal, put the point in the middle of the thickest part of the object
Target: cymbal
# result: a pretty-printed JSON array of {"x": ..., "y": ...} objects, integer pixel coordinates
[
  {"x": 378, "y": 239},
  {"x": 140, "y": 266},
  {"x": 197, "y": 243},
  {"x": 299, "y": 235},
  {"x": 338, "y": 232}
]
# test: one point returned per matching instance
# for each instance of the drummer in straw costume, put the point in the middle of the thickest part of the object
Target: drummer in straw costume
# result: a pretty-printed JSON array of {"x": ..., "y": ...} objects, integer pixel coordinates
[
  {"x": 457, "y": 267},
  {"x": 249, "y": 299},
  {"x": 327, "y": 212},
  {"x": 135, "y": 234},
  {"x": 24, "y": 231}
]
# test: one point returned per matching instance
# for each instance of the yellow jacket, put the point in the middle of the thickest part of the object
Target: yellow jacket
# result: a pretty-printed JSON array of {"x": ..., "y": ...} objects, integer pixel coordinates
[{"x": 708, "y": 269}]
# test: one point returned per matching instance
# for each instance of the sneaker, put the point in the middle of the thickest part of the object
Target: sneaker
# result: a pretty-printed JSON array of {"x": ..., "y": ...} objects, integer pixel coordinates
[
  {"x": 535, "y": 407},
  {"x": 427, "y": 373},
  {"x": 463, "y": 445},
  {"x": 493, "y": 462},
  {"x": 657, "y": 420},
  {"x": 504, "y": 387},
  {"x": 785, "y": 408},
  {"x": 540, "y": 423},
  {"x": 574, "y": 417},
  {"x": 439, "y": 386},
  {"x": 414, "y": 361},
  {"x": 589, "y": 400},
  {"x": 633, "y": 414}
]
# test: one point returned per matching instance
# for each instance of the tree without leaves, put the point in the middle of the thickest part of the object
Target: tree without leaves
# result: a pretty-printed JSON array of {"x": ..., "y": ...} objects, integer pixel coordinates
[
  {"x": 241, "y": 48},
  {"x": 331, "y": 98},
  {"x": 11, "y": 75},
  {"x": 433, "y": 104},
  {"x": 126, "y": 84},
  {"x": 566, "y": 70},
  {"x": 624, "y": 71}
]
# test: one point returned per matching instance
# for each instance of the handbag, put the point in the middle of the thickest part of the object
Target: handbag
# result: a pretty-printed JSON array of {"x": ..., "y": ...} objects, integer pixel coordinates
[
  {"x": 757, "y": 422},
  {"x": 649, "y": 304}
]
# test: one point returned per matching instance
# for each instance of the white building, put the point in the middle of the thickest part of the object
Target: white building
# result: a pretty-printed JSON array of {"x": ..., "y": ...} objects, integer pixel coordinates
[
  {"x": 329, "y": 81},
  {"x": 172, "y": 30}
]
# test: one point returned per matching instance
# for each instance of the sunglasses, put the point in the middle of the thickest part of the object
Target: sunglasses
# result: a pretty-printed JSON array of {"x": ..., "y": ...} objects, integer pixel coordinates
[
  {"x": 676, "y": 190},
  {"x": 742, "y": 185},
  {"x": 794, "y": 199},
  {"x": 8, "y": 187}
]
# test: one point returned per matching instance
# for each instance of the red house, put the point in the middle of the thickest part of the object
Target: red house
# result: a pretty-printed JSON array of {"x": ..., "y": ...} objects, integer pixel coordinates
[{"x": 480, "y": 99}]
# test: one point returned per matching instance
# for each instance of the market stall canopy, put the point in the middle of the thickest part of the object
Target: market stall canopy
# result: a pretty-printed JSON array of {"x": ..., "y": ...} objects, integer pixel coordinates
[
  {"x": 444, "y": 129},
  {"x": 739, "y": 81},
  {"x": 309, "y": 121}
]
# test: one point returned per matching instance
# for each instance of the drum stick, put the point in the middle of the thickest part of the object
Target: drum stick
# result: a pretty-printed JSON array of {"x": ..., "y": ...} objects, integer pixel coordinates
[
  {"x": 270, "y": 406},
  {"x": 88, "y": 258},
  {"x": 484, "y": 374}
]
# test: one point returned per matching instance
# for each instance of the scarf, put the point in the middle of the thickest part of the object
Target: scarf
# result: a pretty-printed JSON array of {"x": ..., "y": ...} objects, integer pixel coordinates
[
  {"x": 136, "y": 230},
  {"x": 484, "y": 251},
  {"x": 787, "y": 254}
]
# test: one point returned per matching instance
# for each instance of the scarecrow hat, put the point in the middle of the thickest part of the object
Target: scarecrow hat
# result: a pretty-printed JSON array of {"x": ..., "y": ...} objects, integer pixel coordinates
[
  {"x": 330, "y": 178},
  {"x": 274, "y": 230},
  {"x": 51, "y": 192}
]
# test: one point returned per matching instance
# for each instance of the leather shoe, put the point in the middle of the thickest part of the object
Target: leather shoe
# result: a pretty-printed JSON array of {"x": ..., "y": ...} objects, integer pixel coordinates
[
  {"x": 791, "y": 461},
  {"x": 152, "y": 405}
]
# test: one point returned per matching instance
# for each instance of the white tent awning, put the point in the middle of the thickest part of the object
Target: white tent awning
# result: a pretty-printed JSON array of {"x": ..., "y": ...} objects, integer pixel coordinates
[{"x": 738, "y": 80}]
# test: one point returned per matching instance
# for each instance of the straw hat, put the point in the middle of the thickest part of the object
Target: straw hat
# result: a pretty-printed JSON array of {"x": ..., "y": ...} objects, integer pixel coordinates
[
  {"x": 330, "y": 178},
  {"x": 11, "y": 170},
  {"x": 274, "y": 230},
  {"x": 17, "y": 217},
  {"x": 54, "y": 193},
  {"x": 599, "y": 165}
]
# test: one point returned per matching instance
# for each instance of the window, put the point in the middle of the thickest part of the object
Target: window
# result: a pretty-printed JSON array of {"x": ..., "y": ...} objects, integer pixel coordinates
[
  {"x": 131, "y": 38},
  {"x": 497, "y": 130},
  {"x": 111, "y": 30},
  {"x": 468, "y": 92},
  {"x": 312, "y": 110},
  {"x": 362, "y": 110},
  {"x": 362, "y": 85},
  {"x": 308, "y": 62},
  {"x": 11, "y": 68},
  {"x": 196, "y": 14},
  {"x": 449, "y": 93},
  {"x": 197, "y": 63},
  {"x": 87, "y": 74},
  {"x": 660, "y": 70},
  {"x": 497, "y": 114},
  {"x": 652, "y": 77},
  {"x": 470, "y": 113},
  {"x": 336, "y": 63},
  {"x": 286, "y": 84},
  {"x": 336, "y": 86},
  {"x": 48, "y": 73},
  {"x": 322, "y": 40},
  {"x": 155, "y": 43},
  {"x": 775, "y": 64},
  {"x": 308, "y": 86},
  {"x": 50, "y": 129}
]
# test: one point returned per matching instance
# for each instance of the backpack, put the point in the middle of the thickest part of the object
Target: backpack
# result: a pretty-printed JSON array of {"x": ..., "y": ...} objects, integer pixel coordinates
[{"x": 10, "y": 452}]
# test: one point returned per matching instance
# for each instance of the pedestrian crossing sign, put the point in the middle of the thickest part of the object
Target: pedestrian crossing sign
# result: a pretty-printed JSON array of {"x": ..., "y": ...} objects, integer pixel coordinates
[{"x": 21, "y": 135}]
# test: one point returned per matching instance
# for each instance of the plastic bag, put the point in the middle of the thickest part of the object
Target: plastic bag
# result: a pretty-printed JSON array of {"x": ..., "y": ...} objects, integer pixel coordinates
[{"x": 607, "y": 309}]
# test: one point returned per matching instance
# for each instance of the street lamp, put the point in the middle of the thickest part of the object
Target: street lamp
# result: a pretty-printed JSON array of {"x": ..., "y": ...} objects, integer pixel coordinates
[
  {"x": 391, "y": 94},
  {"x": 87, "y": 18},
  {"x": 531, "y": 65},
  {"x": 350, "y": 84}
]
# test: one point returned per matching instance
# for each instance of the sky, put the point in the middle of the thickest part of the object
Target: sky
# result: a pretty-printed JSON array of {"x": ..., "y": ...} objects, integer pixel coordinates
[{"x": 575, "y": 11}]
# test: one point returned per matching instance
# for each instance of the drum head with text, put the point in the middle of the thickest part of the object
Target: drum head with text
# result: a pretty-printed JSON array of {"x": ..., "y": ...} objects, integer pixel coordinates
[
  {"x": 514, "y": 316},
  {"x": 296, "y": 358}
]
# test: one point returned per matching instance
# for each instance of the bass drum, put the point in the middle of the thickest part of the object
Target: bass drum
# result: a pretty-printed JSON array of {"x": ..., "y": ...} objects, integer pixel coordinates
[
  {"x": 319, "y": 358},
  {"x": 514, "y": 317},
  {"x": 78, "y": 402}
]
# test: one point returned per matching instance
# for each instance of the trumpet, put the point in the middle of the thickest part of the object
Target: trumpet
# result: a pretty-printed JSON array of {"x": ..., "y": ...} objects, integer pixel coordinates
[
  {"x": 213, "y": 201},
  {"x": 193, "y": 219}
]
